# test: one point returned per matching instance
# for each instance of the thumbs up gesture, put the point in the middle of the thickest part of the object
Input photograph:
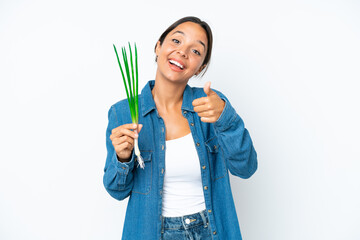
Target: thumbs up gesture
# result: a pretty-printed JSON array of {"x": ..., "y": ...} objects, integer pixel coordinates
[{"x": 209, "y": 108}]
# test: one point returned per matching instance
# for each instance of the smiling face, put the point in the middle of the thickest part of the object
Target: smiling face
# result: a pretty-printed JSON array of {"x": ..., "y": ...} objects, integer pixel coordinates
[{"x": 182, "y": 53}]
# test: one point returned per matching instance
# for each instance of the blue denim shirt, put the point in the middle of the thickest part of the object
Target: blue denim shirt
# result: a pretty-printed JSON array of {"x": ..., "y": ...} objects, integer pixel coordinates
[{"x": 222, "y": 146}]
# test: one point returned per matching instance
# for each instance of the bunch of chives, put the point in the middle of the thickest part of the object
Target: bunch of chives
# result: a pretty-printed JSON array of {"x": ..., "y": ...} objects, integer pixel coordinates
[{"x": 131, "y": 87}]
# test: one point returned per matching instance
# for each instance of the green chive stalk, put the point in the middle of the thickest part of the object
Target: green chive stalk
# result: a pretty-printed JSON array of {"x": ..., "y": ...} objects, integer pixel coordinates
[{"x": 131, "y": 83}]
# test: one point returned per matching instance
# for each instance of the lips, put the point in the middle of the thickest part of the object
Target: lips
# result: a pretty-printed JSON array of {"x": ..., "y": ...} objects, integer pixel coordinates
[{"x": 176, "y": 65}]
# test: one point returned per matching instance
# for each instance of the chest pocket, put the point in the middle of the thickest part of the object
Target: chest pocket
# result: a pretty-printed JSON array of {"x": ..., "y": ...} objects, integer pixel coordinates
[
  {"x": 216, "y": 161},
  {"x": 143, "y": 177}
]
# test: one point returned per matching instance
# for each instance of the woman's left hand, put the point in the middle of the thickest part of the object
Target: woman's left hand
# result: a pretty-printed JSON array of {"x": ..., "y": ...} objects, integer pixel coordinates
[{"x": 209, "y": 108}]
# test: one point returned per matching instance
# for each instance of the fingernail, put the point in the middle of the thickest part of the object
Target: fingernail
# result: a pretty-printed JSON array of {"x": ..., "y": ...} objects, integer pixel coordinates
[
  {"x": 134, "y": 125},
  {"x": 136, "y": 135}
]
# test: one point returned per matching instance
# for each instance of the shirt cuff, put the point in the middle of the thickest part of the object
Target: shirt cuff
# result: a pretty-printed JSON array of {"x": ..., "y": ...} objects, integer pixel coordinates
[{"x": 124, "y": 167}]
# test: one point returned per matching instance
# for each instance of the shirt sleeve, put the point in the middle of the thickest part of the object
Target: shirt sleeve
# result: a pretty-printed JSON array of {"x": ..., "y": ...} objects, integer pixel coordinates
[
  {"x": 118, "y": 176},
  {"x": 235, "y": 142}
]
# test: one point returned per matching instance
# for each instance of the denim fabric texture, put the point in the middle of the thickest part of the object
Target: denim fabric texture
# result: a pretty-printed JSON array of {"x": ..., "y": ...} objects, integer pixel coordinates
[
  {"x": 224, "y": 146},
  {"x": 189, "y": 227}
]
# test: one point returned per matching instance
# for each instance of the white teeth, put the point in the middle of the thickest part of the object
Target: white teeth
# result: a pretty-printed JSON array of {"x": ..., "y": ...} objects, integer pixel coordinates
[{"x": 176, "y": 63}]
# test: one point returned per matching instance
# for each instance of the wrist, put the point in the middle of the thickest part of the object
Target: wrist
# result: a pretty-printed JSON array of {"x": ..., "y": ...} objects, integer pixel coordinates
[{"x": 122, "y": 160}]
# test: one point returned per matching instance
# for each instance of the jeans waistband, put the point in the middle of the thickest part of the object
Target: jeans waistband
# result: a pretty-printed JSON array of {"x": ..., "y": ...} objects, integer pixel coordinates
[{"x": 185, "y": 222}]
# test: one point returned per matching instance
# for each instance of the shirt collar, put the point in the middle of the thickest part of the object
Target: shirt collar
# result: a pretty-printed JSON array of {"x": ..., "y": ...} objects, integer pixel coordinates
[{"x": 148, "y": 104}]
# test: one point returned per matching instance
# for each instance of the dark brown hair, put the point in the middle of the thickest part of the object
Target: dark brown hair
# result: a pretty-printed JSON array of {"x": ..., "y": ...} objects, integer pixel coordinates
[{"x": 209, "y": 36}]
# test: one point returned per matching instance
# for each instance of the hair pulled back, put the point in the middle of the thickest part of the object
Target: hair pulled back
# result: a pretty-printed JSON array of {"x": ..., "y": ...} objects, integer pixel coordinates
[{"x": 209, "y": 36}]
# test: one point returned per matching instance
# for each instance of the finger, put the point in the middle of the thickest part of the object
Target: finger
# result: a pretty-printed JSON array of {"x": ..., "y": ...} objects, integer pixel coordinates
[
  {"x": 202, "y": 108},
  {"x": 121, "y": 140},
  {"x": 207, "y": 88},
  {"x": 123, "y": 131},
  {"x": 129, "y": 140},
  {"x": 129, "y": 126},
  {"x": 207, "y": 114},
  {"x": 139, "y": 128},
  {"x": 208, "y": 119},
  {"x": 200, "y": 101},
  {"x": 122, "y": 147}
]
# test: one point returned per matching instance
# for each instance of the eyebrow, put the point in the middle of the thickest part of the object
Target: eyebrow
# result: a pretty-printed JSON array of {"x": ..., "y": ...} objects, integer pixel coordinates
[{"x": 184, "y": 34}]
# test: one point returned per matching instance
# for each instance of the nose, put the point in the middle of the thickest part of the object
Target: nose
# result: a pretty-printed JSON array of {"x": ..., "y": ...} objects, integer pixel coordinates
[{"x": 183, "y": 51}]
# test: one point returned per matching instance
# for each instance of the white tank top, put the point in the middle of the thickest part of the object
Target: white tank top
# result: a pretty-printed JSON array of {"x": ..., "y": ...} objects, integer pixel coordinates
[{"x": 182, "y": 192}]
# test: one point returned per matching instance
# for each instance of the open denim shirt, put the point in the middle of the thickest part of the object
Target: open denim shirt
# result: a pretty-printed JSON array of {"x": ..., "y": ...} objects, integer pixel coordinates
[{"x": 221, "y": 146}]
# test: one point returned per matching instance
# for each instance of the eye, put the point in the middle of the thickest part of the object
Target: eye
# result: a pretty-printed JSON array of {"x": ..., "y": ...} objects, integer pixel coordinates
[
  {"x": 196, "y": 52},
  {"x": 175, "y": 40}
]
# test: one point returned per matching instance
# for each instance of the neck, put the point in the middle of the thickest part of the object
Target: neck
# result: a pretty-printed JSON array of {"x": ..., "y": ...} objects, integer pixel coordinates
[{"x": 168, "y": 95}]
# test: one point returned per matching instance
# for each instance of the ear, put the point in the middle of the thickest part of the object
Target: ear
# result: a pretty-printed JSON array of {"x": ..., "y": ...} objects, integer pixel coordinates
[
  {"x": 200, "y": 69},
  {"x": 157, "y": 49}
]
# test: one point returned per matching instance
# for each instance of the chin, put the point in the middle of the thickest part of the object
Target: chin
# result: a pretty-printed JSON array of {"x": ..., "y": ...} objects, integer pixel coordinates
[
  {"x": 177, "y": 80},
  {"x": 174, "y": 78}
]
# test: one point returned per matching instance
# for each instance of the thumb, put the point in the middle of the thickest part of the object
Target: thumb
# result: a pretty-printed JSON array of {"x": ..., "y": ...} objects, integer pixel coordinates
[
  {"x": 139, "y": 128},
  {"x": 207, "y": 89}
]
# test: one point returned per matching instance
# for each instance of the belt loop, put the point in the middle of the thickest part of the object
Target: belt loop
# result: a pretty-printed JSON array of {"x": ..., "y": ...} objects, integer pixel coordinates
[
  {"x": 202, "y": 214},
  {"x": 183, "y": 223}
]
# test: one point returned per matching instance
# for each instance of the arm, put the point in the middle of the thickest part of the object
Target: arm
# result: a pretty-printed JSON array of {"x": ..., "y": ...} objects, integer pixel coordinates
[
  {"x": 118, "y": 176},
  {"x": 235, "y": 142}
]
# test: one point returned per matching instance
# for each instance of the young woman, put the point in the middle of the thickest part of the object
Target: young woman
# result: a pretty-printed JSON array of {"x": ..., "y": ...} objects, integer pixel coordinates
[{"x": 190, "y": 138}]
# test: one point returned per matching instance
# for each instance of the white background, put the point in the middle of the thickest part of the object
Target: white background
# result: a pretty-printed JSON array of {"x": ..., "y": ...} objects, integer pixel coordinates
[{"x": 290, "y": 68}]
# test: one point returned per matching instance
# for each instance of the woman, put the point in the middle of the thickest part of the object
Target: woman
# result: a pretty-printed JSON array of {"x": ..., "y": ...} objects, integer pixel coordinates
[{"x": 189, "y": 139}]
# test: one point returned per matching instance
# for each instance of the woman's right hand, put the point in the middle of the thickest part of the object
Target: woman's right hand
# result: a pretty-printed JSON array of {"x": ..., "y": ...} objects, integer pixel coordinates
[{"x": 122, "y": 139}]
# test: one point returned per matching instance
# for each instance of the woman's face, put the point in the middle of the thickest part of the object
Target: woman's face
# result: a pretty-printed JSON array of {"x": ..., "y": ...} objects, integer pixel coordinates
[{"x": 182, "y": 52}]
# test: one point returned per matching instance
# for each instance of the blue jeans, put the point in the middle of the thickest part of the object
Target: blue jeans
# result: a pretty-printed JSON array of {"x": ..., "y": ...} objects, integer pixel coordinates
[{"x": 188, "y": 227}]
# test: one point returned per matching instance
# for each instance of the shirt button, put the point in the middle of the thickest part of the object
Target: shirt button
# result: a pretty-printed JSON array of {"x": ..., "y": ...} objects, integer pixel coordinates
[
  {"x": 203, "y": 167},
  {"x": 162, "y": 171},
  {"x": 192, "y": 124},
  {"x": 209, "y": 211},
  {"x": 187, "y": 221},
  {"x": 162, "y": 129},
  {"x": 185, "y": 112},
  {"x": 214, "y": 232},
  {"x": 206, "y": 188},
  {"x": 197, "y": 144},
  {"x": 162, "y": 147}
]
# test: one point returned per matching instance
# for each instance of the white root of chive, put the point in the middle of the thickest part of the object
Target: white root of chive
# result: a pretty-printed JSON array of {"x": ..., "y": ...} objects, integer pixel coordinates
[{"x": 137, "y": 153}]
